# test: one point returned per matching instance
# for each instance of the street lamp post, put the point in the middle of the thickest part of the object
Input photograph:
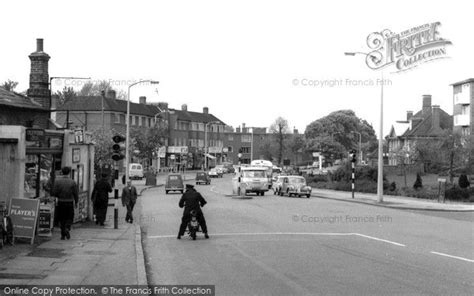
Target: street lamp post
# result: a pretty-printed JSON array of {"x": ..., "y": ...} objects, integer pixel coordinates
[
  {"x": 127, "y": 121},
  {"x": 380, "y": 150}
]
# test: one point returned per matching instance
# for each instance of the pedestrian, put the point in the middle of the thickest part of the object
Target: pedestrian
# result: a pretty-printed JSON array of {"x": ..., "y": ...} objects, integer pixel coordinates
[
  {"x": 129, "y": 198},
  {"x": 100, "y": 199},
  {"x": 192, "y": 201},
  {"x": 66, "y": 191}
]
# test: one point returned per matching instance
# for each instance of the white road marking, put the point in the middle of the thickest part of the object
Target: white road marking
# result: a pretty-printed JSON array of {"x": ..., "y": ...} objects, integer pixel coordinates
[
  {"x": 451, "y": 256},
  {"x": 289, "y": 233},
  {"x": 379, "y": 239}
]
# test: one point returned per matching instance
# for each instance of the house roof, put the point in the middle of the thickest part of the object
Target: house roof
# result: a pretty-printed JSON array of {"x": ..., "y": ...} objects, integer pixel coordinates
[
  {"x": 399, "y": 128},
  {"x": 192, "y": 116},
  {"x": 425, "y": 128},
  {"x": 464, "y": 81},
  {"x": 94, "y": 103},
  {"x": 13, "y": 99}
]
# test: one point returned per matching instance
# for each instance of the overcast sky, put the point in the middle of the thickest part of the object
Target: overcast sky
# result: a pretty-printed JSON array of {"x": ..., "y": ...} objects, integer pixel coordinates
[{"x": 242, "y": 59}]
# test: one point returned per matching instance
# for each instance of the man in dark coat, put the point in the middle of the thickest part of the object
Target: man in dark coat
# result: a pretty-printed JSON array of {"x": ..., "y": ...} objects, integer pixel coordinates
[
  {"x": 100, "y": 198},
  {"x": 192, "y": 200},
  {"x": 129, "y": 198},
  {"x": 65, "y": 189}
]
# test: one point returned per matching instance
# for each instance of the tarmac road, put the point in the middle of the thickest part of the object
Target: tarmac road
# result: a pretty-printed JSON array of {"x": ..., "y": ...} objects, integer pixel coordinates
[{"x": 271, "y": 245}]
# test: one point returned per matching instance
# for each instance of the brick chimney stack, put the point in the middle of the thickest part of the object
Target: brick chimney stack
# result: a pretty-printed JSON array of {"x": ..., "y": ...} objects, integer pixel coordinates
[
  {"x": 142, "y": 100},
  {"x": 39, "y": 76},
  {"x": 409, "y": 115},
  {"x": 205, "y": 110},
  {"x": 184, "y": 107},
  {"x": 426, "y": 110}
]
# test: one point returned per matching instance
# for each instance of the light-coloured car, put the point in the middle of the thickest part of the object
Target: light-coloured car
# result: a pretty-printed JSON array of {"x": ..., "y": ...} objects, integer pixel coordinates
[
  {"x": 295, "y": 185},
  {"x": 135, "y": 171},
  {"x": 215, "y": 173}
]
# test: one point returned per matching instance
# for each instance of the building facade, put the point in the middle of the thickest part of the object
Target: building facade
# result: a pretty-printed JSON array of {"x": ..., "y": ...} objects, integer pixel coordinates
[
  {"x": 463, "y": 110},
  {"x": 429, "y": 123}
]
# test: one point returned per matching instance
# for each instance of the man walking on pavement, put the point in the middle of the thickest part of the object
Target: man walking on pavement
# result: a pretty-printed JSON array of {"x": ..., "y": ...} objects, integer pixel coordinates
[
  {"x": 65, "y": 189},
  {"x": 100, "y": 198},
  {"x": 129, "y": 198}
]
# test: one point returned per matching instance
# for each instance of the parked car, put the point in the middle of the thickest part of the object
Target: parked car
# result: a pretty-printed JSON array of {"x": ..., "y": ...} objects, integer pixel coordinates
[
  {"x": 135, "y": 171},
  {"x": 174, "y": 182},
  {"x": 221, "y": 168},
  {"x": 202, "y": 178},
  {"x": 295, "y": 185},
  {"x": 277, "y": 184},
  {"x": 215, "y": 173}
]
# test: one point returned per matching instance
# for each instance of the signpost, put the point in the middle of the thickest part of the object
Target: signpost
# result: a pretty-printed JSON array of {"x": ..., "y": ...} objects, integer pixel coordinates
[{"x": 24, "y": 215}]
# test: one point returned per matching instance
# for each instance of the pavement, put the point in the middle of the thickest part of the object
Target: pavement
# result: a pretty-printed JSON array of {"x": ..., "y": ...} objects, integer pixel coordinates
[
  {"x": 98, "y": 255},
  {"x": 94, "y": 255},
  {"x": 395, "y": 202}
]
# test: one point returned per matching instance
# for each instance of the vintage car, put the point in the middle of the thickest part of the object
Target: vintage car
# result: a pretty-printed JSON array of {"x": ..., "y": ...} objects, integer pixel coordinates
[
  {"x": 295, "y": 185},
  {"x": 215, "y": 173},
  {"x": 202, "y": 178},
  {"x": 174, "y": 182}
]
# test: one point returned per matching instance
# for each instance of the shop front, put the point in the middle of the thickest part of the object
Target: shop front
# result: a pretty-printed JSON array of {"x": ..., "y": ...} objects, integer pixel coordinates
[{"x": 36, "y": 157}]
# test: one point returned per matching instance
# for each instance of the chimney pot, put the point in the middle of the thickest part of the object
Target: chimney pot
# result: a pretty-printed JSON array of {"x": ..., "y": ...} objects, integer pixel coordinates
[
  {"x": 184, "y": 107},
  {"x": 205, "y": 110},
  {"x": 39, "y": 44},
  {"x": 409, "y": 115}
]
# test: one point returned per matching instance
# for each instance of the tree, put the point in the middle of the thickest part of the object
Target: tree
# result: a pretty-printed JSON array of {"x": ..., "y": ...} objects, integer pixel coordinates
[
  {"x": 280, "y": 131},
  {"x": 296, "y": 145},
  {"x": 329, "y": 149},
  {"x": 338, "y": 127},
  {"x": 95, "y": 88},
  {"x": 66, "y": 94},
  {"x": 103, "y": 147},
  {"x": 463, "y": 181},
  {"x": 267, "y": 149},
  {"x": 418, "y": 182},
  {"x": 9, "y": 85},
  {"x": 405, "y": 156},
  {"x": 147, "y": 141}
]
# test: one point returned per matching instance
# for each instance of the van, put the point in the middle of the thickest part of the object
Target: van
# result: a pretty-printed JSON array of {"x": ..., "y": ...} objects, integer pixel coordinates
[
  {"x": 135, "y": 171},
  {"x": 250, "y": 180},
  {"x": 174, "y": 182}
]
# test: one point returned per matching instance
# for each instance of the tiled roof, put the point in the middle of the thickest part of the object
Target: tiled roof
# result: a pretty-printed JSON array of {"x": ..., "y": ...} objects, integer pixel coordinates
[
  {"x": 399, "y": 128},
  {"x": 462, "y": 82},
  {"x": 94, "y": 103},
  {"x": 425, "y": 128},
  {"x": 13, "y": 99},
  {"x": 195, "y": 116}
]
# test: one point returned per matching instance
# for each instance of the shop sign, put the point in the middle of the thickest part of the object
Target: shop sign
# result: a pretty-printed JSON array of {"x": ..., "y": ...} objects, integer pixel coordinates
[
  {"x": 78, "y": 136},
  {"x": 34, "y": 137},
  {"x": 24, "y": 215}
]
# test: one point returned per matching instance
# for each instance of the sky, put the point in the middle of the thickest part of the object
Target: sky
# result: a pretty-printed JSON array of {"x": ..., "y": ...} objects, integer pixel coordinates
[{"x": 248, "y": 61}]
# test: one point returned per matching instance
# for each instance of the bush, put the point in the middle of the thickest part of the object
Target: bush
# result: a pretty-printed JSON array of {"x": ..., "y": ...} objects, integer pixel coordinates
[
  {"x": 456, "y": 193},
  {"x": 393, "y": 186},
  {"x": 463, "y": 181},
  {"x": 418, "y": 183}
]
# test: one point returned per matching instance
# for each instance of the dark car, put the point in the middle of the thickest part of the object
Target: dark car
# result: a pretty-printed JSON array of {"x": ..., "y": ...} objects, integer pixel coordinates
[
  {"x": 202, "y": 178},
  {"x": 174, "y": 182}
]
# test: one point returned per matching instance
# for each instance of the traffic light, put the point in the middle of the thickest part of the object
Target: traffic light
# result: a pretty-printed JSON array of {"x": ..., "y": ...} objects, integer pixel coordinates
[
  {"x": 118, "y": 148},
  {"x": 353, "y": 155}
]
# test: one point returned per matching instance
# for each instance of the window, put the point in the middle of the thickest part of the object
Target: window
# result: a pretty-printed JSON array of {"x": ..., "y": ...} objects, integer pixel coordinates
[
  {"x": 246, "y": 138},
  {"x": 245, "y": 149},
  {"x": 465, "y": 131},
  {"x": 132, "y": 120},
  {"x": 136, "y": 120},
  {"x": 117, "y": 117},
  {"x": 229, "y": 149},
  {"x": 231, "y": 137}
]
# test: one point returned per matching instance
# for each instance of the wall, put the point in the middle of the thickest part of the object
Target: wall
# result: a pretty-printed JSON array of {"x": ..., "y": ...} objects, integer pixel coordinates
[{"x": 24, "y": 117}]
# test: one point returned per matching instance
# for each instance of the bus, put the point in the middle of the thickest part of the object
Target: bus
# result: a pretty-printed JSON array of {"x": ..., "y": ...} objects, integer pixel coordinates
[{"x": 269, "y": 169}]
